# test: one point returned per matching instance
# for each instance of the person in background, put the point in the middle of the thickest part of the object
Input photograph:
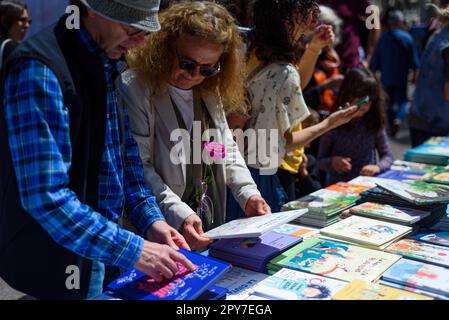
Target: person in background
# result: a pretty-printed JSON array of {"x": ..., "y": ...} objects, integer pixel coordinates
[
  {"x": 429, "y": 112},
  {"x": 395, "y": 55},
  {"x": 14, "y": 24},
  {"x": 70, "y": 166},
  {"x": 351, "y": 150},
  {"x": 187, "y": 76}
]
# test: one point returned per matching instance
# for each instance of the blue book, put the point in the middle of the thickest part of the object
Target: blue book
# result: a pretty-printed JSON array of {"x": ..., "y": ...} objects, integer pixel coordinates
[
  {"x": 401, "y": 175},
  {"x": 214, "y": 293},
  {"x": 185, "y": 285}
]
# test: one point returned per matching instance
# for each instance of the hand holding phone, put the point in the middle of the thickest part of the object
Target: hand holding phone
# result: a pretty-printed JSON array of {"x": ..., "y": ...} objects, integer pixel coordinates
[{"x": 362, "y": 102}]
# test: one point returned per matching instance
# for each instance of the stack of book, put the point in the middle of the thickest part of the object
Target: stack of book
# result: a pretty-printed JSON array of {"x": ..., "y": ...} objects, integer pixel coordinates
[
  {"x": 324, "y": 207},
  {"x": 184, "y": 285},
  {"x": 348, "y": 188},
  {"x": 433, "y": 151},
  {"x": 440, "y": 238},
  {"x": 385, "y": 212},
  {"x": 288, "y": 284},
  {"x": 440, "y": 177},
  {"x": 334, "y": 259},
  {"x": 253, "y": 253},
  {"x": 362, "y": 290},
  {"x": 415, "y": 167},
  {"x": 401, "y": 175},
  {"x": 369, "y": 233},
  {"x": 428, "y": 279}
]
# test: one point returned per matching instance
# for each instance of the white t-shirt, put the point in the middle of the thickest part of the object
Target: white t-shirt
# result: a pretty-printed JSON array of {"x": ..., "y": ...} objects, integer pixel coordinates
[
  {"x": 184, "y": 101},
  {"x": 277, "y": 103}
]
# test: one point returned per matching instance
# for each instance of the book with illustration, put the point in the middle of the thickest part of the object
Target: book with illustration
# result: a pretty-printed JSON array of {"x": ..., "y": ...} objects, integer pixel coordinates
[
  {"x": 347, "y": 188},
  {"x": 413, "y": 290},
  {"x": 416, "y": 166},
  {"x": 365, "y": 231},
  {"x": 240, "y": 282},
  {"x": 367, "y": 181},
  {"x": 418, "y": 192},
  {"x": 401, "y": 175},
  {"x": 254, "y": 226},
  {"x": 334, "y": 259},
  {"x": 387, "y": 212},
  {"x": 438, "y": 177},
  {"x": 288, "y": 284},
  {"x": 419, "y": 275},
  {"x": 421, "y": 251},
  {"x": 361, "y": 290},
  {"x": 252, "y": 253},
  {"x": 433, "y": 151},
  {"x": 184, "y": 285},
  {"x": 440, "y": 238},
  {"x": 297, "y": 231}
]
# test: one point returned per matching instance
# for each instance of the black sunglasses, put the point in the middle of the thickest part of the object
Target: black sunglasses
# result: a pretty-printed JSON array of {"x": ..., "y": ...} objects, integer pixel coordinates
[{"x": 190, "y": 65}]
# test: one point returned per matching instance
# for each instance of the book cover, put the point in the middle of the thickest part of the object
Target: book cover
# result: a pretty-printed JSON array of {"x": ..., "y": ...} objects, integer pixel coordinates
[
  {"x": 421, "y": 251},
  {"x": 347, "y": 188},
  {"x": 401, "y": 175},
  {"x": 323, "y": 202},
  {"x": 418, "y": 192},
  {"x": 387, "y": 212},
  {"x": 240, "y": 282},
  {"x": 365, "y": 231},
  {"x": 440, "y": 238},
  {"x": 361, "y": 290},
  {"x": 254, "y": 226},
  {"x": 411, "y": 289},
  {"x": 438, "y": 177},
  {"x": 419, "y": 275},
  {"x": 297, "y": 230},
  {"x": 415, "y": 166},
  {"x": 185, "y": 285},
  {"x": 367, "y": 181},
  {"x": 288, "y": 284},
  {"x": 335, "y": 260}
]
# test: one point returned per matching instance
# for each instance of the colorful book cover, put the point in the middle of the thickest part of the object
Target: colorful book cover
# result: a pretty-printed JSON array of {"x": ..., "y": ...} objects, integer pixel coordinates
[
  {"x": 288, "y": 284},
  {"x": 324, "y": 202},
  {"x": 297, "y": 230},
  {"x": 415, "y": 166},
  {"x": 419, "y": 275},
  {"x": 240, "y": 282},
  {"x": 401, "y": 175},
  {"x": 367, "y": 181},
  {"x": 411, "y": 289},
  {"x": 335, "y": 260},
  {"x": 263, "y": 248},
  {"x": 347, "y": 188},
  {"x": 440, "y": 238},
  {"x": 254, "y": 226},
  {"x": 418, "y": 192},
  {"x": 185, "y": 285},
  {"x": 438, "y": 141},
  {"x": 365, "y": 231},
  {"x": 361, "y": 290},
  {"x": 438, "y": 177},
  {"x": 421, "y": 251},
  {"x": 387, "y": 212}
]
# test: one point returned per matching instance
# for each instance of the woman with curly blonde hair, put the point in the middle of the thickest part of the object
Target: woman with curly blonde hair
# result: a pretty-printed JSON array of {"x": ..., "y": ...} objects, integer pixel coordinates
[{"x": 181, "y": 84}]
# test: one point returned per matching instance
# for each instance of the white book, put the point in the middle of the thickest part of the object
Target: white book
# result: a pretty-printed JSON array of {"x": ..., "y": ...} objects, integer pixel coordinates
[
  {"x": 254, "y": 226},
  {"x": 240, "y": 282},
  {"x": 368, "y": 181}
]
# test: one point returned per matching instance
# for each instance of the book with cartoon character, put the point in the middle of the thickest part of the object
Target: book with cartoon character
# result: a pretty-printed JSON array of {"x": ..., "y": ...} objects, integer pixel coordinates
[
  {"x": 421, "y": 251},
  {"x": 334, "y": 259},
  {"x": 419, "y": 275},
  {"x": 415, "y": 166},
  {"x": 288, "y": 284},
  {"x": 418, "y": 192},
  {"x": 365, "y": 231},
  {"x": 185, "y": 285},
  {"x": 347, "y": 188},
  {"x": 440, "y": 238},
  {"x": 240, "y": 282}
]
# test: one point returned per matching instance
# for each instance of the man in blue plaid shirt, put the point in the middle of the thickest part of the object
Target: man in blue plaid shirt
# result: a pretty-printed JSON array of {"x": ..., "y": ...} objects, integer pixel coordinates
[{"x": 76, "y": 165}]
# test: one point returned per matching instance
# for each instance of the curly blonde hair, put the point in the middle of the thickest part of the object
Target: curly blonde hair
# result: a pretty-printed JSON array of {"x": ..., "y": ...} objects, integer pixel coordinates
[{"x": 206, "y": 20}]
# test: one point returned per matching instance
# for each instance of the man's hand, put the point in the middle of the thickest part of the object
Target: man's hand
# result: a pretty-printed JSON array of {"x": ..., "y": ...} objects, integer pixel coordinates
[
  {"x": 370, "y": 170},
  {"x": 159, "y": 261},
  {"x": 161, "y": 232},
  {"x": 341, "y": 165},
  {"x": 256, "y": 206},
  {"x": 193, "y": 232}
]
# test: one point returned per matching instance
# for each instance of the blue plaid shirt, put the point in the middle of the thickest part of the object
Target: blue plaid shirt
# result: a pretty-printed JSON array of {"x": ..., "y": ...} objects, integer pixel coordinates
[{"x": 39, "y": 138}]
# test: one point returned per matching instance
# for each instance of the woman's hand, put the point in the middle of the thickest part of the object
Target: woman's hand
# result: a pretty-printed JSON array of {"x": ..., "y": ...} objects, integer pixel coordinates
[
  {"x": 193, "y": 232},
  {"x": 341, "y": 165},
  {"x": 341, "y": 117},
  {"x": 370, "y": 170},
  {"x": 324, "y": 36},
  {"x": 256, "y": 206}
]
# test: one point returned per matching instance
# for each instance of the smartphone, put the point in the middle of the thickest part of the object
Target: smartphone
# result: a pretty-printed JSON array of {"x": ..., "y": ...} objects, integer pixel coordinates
[{"x": 362, "y": 102}]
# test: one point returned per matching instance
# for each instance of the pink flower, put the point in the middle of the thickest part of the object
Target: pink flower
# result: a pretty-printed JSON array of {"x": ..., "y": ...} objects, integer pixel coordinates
[{"x": 215, "y": 150}]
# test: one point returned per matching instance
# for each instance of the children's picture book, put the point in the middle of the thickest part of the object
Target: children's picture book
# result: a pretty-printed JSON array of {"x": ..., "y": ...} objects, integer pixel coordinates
[
  {"x": 365, "y": 231},
  {"x": 367, "y": 181},
  {"x": 361, "y": 290},
  {"x": 185, "y": 285},
  {"x": 335, "y": 260},
  {"x": 438, "y": 177},
  {"x": 440, "y": 238},
  {"x": 418, "y": 192},
  {"x": 348, "y": 188},
  {"x": 240, "y": 282},
  {"x": 411, "y": 289},
  {"x": 297, "y": 230},
  {"x": 288, "y": 284},
  {"x": 421, "y": 251},
  {"x": 419, "y": 275},
  {"x": 415, "y": 166},
  {"x": 254, "y": 226},
  {"x": 401, "y": 175},
  {"x": 386, "y": 212},
  {"x": 324, "y": 202}
]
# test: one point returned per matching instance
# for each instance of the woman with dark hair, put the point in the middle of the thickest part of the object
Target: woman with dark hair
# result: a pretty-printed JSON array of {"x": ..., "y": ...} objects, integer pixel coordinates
[
  {"x": 350, "y": 150},
  {"x": 14, "y": 23}
]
